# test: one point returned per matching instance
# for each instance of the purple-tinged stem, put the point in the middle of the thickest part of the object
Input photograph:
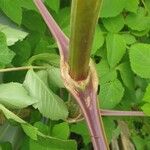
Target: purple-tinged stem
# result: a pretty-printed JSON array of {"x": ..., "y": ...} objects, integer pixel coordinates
[
  {"x": 86, "y": 94},
  {"x": 105, "y": 112},
  {"x": 61, "y": 39},
  {"x": 87, "y": 100}
]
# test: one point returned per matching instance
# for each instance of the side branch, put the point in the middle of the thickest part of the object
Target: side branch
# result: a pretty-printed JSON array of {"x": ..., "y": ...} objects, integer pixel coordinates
[
  {"x": 105, "y": 112},
  {"x": 61, "y": 39}
]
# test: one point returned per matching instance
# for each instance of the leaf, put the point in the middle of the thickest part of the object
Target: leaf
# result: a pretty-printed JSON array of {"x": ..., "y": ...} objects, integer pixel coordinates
[
  {"x": 114, "y": 24},
  {"x": 116, "y": 47},
  {"x": 132, "y": 5},
  {"x": 49, "y": 104},
  {"x": 43, "y": 128},
  {"x": 130, "y": 39},
  {"x": 58, "y": 140},
  {"x": 146, "y": 109},
  {"x": 42, "y": 47},
  {"x": 81, "y": 129},
  {"x": 6, "y": 55},
  {"x": 139, "y": 142},
  {"x": 112, "y": 131},
  {"x": 13, "y": 95},
  {"x": 28, "y": 4},
  {"x": 138, "y": 21},
  {"x": 126, "y": 75},
  {"x": 53, "y": 4},
  {"x": 12, "y": 9},
  {"x": 61, "y": 131},
  {"x": 146, "y": 97},
  {"x": 147, "y": 2},
  {"x": 107, "y": 5},
  {"x": 139, "y": 58},
  {"x": 11, "y": 31},
  {"x": 54, "y": 76},
  {"x": 50, "y": 143},
  {"x": 23, "y": 52},
  {"x": 5, "y": 146},
  {"x": 33, "y": 21},
  {"x": 111, "y": 94},
  {"x": 49, "y": 58},
  {"x": 64, "y": 23},
  {"x": 42, "y": 140},
  {"x": 28, "y": 129},
  {"x": 98, "y": 40},
  {"x": 105, "y": 74},
  {"x": 65, "y": 14}
]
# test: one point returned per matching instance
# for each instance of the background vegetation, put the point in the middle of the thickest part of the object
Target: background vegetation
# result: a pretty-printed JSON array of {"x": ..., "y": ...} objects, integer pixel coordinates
[{"x": 121, "y": 51}]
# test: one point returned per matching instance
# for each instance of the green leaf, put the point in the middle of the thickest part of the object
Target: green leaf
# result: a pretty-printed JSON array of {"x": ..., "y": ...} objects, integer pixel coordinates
[
  {"x": 5, "y": 146},
  {"x": 114, "y": 24},
  {"x": 53, "y": 4},
  {"x": 9, "y": 115},
  {"x": 140, "y": 59},
  {"x": 54, "y": 76},
  {"x": 132, "y": 5},
  {"x": 138, "y": 21},
  {"x": 13, "y": 95},
  {"x": 28, "y": 4},
  {"x": 146, "y": 97},
  {"x": 112, "y": 131},
  {"x": 98, "y": 40},
  {"x": 51, "y": 59},
  {"x": 111, "y": 94},
  {"x": 23, "y": 52},
  {"x": 116, "y": 47},
  {"x": 49, "y": 104},
  {"x": 50, "y": 143},
  {"x": 13, "y": 33},
  {"x": 81, "y": 129},
  {"x": 146, "y": 109},
  {"x": 6, "y": 55},
  {"x": 33, "y": 21},
  {"x": 42, "y": 47},
  {"x": 38, "y": 139},
  {"x": 112, "y": 8},
  {"x": 126, "y": 75},
  {"x": 31, "y": 131},
  {"x": 28, "y": 129},
  {"x": 105, "y": 74},
  {"x": 58, "y": 140},
  {"x": 43, "y": 128},
  {"x": 140, "y": 33},
  {"x": 130, "y": 39},
  {"x": 61, "y": 131},
  {"x": 65, "y": 14},
  {"x": 147, "y": 2},
  {"x": 139, "y": 142},
  {"x": 12, "y": 9}
]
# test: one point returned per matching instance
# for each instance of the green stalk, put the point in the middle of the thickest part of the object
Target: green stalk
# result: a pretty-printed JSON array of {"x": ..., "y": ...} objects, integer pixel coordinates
[{"x": 84, "y": 17}]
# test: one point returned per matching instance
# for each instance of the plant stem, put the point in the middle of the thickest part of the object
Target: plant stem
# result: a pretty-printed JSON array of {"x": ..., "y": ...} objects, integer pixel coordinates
[
  {"x": 84, "y": 17},
  {"x": 21, "y": 68},
  {"x": 85, "y": 91},
  {"x": 105, "y": 112}
]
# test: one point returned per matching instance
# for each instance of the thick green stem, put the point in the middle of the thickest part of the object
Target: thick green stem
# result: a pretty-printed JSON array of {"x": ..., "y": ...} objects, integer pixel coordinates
[{"x": 84, "y": 17}]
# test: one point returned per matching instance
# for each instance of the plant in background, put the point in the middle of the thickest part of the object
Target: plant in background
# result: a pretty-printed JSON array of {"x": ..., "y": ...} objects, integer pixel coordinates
[{"x": 37, "y": 100}]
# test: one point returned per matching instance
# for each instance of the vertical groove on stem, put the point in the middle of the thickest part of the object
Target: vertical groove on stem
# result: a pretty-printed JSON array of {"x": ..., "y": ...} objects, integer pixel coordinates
[{"x": 84, "y": 15}]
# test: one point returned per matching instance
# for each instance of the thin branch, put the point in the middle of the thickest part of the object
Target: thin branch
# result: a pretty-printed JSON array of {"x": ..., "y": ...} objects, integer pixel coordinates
[
  {"x": 115, "y": 113},
  {"x": 61, "y": 39},
  {"x": 105, "y": 112},
  {"x": 21, "y": 68}
]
